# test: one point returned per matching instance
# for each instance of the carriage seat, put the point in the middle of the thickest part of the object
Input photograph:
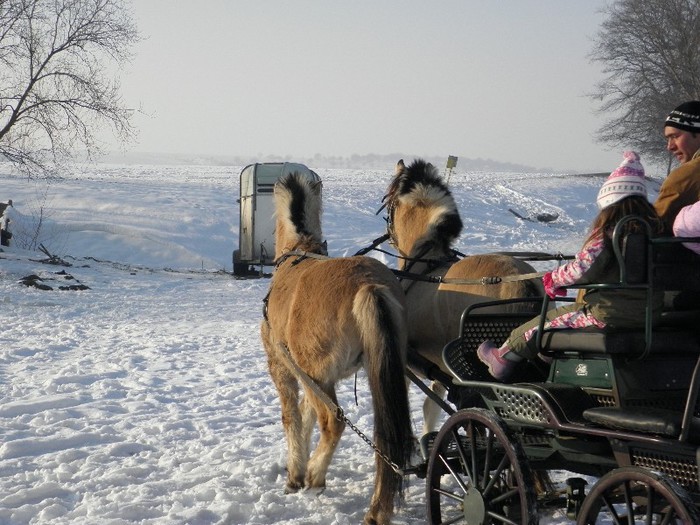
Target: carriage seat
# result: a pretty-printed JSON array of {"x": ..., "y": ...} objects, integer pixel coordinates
[
  {"x": 637, "y": 419},
  {"x": 682, "y": 339},
  {"x": 682, "y": 424}
]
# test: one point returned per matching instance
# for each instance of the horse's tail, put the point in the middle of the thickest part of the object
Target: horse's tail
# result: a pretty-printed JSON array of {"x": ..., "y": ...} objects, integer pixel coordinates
[{"x": 382, "y": 323}]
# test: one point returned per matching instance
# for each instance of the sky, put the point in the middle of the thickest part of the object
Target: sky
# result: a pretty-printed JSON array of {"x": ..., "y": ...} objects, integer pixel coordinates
[{"x": 505, "y": 80}]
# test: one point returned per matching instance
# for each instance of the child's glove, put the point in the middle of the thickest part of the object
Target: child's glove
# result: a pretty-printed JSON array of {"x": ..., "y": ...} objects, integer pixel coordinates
[{"x": 550, "y": 288}]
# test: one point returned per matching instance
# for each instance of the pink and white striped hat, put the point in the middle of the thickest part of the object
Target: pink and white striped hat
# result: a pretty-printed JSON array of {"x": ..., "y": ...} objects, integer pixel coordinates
[{"x": 625, "y": 181}]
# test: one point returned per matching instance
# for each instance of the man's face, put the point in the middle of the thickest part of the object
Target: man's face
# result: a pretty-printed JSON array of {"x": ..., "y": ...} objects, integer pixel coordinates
[{"x": 682, "y": 144}]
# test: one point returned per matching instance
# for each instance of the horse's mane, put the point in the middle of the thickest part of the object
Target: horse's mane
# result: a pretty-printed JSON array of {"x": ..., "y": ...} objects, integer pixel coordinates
[
  {"x": 298, "y": 207},
  {"x": 418, "y": 173},
  {"x": 420, "y": 184}
]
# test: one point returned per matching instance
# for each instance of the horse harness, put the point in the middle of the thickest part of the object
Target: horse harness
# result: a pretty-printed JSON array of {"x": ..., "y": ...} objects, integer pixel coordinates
[{"x": 301, "y": 256}]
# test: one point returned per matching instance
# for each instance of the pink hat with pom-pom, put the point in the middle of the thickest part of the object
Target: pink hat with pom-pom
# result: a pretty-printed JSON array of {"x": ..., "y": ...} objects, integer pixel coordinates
[{"x": 625, "y": 181}]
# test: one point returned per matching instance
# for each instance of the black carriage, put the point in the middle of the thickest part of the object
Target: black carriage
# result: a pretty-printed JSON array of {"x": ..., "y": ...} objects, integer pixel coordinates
[{"x": 621, "y": 407}]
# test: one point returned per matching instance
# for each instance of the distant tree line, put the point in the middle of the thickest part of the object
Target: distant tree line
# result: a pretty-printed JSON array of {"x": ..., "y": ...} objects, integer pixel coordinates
[{"x": 369, "y": 161}]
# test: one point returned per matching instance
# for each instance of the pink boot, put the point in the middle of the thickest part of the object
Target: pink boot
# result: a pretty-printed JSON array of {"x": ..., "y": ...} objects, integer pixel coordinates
[{"x": 492, "y": 356}]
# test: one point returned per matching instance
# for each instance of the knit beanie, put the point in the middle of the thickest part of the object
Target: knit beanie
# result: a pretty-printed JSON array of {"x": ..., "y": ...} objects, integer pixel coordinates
[
  {"x": 625, "y": 181},
  {"x": 685, "y": 117}
]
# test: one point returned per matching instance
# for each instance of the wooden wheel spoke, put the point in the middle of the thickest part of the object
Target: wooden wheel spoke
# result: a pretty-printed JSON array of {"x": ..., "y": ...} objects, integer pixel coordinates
[
  {"x": 454, "y": 474},
  {"x": 502, "y": 519},
  {"x": 670, "y": 515},
  {"x": 453, "y": 520},
  {"x": 507, "y": 495},
  {"x": 628, "y": 499},
  {"x": 471, "y": 434},
  {"x": 449, "y": 494},
  {"x": 462, "y": 453},
  {"x": 487, "y": 455},
  {"x": 651, "y": 500},
  {"x": 505, "y": 462}
]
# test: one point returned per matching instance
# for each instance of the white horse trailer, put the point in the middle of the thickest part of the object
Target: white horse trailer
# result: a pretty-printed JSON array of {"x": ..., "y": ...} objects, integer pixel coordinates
[{"x": 256, "y": 234}]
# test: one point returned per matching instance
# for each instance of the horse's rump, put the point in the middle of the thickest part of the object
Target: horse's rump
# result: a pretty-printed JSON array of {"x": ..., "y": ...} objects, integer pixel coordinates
[{"x": 314, "y": 308}]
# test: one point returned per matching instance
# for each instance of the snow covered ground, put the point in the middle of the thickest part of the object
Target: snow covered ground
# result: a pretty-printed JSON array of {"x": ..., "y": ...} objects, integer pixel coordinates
[{"x": 145, "y": 398}]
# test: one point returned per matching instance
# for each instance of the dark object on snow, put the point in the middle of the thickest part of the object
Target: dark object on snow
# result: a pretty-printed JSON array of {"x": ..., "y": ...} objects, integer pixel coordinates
[
  {"x": 35, "y": 281},
  {"x": 540, "y": 217},
  {"x": 547, "y": 217},
  {"x": 52, "y": 259}
]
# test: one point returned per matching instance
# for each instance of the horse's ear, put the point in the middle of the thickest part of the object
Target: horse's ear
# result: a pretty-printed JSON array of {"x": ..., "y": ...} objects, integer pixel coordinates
[{"x": 400, "y": 166}]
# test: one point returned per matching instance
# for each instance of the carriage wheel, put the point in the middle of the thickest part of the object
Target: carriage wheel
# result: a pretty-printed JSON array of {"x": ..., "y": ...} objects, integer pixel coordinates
[
  {"x": 477, "y": 473},
  {"x": 635, "y": 495}
]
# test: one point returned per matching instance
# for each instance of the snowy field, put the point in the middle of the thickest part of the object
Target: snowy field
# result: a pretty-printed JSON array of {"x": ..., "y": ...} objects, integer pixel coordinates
[{"x": 145, "y": 398}]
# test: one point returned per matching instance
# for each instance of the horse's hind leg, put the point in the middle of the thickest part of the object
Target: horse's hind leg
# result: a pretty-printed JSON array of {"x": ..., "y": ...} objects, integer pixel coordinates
[
  {"x": 330, "y": 429},
  {"x": 431, "y": 410},
  {"x": 292, "y": 421}
]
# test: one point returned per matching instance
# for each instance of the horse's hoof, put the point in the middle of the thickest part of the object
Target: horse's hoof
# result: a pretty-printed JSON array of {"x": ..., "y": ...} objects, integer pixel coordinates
[
  {"x": 316, "y": 491},
  {"x": 311, "y": 484},
  {"x": 371, "y": 519},
  {"x": 291, "y": 488}
]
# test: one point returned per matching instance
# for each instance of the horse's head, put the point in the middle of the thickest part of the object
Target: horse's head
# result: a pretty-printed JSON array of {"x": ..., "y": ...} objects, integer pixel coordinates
[
  {"x": 422, "y": 217},
  {"x": 298, "y": 210}
]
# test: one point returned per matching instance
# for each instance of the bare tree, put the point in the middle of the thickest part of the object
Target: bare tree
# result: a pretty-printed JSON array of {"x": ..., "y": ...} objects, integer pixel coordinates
[
  {"x": 650, "y": 52},
  {"x": 55, "y": 90}
]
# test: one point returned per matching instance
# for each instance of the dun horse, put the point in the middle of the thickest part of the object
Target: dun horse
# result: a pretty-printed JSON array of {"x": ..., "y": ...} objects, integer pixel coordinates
[
  {"x": 423, "y": 223},
  {"x": 330, "y": 317}
]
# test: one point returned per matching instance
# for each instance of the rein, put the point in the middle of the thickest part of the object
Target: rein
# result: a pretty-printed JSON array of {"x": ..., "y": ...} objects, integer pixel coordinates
[
  {"x": 453, "y": 280},
  {"x": 376, "y": 242},
  {"x": 402, "y": 274}
]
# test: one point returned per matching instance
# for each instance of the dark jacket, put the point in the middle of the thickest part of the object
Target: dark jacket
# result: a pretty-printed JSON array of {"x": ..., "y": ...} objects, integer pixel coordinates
[{"x": 615, "y": 307}]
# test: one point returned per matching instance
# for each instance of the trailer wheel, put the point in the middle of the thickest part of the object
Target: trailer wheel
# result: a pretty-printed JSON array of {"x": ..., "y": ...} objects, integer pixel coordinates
[
  {"x": 478, "y": 473},
  {"x": 239, "y": 269},
  {"x": 636, "y": 495}
]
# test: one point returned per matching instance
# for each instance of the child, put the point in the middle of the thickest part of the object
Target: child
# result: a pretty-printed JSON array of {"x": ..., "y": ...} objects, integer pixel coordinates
[{"x": 623, "y": 193}]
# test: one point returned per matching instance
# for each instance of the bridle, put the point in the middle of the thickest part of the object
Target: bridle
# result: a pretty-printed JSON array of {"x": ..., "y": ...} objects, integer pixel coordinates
[{"x": 389, "y": 202}]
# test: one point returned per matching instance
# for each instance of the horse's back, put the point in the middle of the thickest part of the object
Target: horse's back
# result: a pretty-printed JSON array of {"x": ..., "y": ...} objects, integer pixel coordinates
[
  {"x": 313, "y": 305},
  {"x": 477, "y": 267},
  {"x": 435, "y": 311},
  {"x": 347, "y": 274}
]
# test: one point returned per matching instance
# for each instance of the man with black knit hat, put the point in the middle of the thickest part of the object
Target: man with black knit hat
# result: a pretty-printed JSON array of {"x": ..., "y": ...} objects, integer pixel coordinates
[{"x": 682, "y": 186}]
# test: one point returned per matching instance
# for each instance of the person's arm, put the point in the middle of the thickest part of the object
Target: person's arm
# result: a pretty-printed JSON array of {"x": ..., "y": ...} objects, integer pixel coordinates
[
  {"x": 680, "y": 189},
  {"x": 573, "y": 271}
]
